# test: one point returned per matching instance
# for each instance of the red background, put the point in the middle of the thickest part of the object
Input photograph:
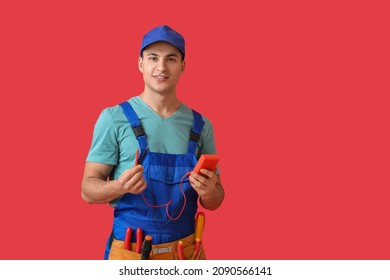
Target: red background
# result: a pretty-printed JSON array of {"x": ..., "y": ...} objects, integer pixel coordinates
[{"x": 297, "y": 91}]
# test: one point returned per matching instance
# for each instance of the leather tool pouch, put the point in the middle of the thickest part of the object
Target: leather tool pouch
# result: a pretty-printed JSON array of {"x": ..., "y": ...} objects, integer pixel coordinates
[{"x": 165, "y": 251}]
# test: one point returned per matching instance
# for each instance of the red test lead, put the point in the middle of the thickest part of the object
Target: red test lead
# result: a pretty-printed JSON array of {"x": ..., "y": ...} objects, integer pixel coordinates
[{"x": 136, "y": 158}]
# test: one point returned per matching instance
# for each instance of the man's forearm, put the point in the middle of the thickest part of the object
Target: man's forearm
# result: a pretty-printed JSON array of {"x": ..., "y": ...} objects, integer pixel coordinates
[{"x": 96, "y": 190}]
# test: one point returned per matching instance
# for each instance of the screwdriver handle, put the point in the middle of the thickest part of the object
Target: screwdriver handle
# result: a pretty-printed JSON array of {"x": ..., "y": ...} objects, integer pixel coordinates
[
  {"x": 146, "y": 247},
  {"x": 199, "y": 225}
]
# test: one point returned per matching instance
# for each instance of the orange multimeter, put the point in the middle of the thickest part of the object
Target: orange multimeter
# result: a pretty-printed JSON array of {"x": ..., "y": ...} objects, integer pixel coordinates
[{"x": 206, "y": 161}]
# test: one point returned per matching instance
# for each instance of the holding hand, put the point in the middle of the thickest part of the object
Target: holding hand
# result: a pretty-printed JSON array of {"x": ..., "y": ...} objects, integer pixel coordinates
[
  {"x": 132, "y": 180},
  {"x": 205, "y": 184}
]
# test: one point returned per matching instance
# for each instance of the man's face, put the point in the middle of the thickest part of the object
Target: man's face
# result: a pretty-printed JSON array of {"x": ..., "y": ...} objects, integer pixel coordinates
[{"x": 161, "y": 66}]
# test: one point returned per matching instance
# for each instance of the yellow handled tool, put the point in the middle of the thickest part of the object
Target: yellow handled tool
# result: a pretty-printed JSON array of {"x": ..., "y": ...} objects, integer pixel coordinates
[{"x": 199, "y": 225}]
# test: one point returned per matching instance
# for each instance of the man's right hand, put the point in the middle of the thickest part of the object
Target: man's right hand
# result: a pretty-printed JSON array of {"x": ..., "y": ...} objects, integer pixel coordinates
[
  {"x": 132, "y": 180},
  {"x": 95, "y": 188}
]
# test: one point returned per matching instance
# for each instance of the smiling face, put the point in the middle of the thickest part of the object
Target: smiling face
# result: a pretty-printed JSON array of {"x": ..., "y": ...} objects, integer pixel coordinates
[{"x": 161, "y": 65}]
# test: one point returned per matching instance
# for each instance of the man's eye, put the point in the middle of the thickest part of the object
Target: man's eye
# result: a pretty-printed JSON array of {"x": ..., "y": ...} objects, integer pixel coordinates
[
  {"x": 172, "y": 59},
  {"x": 152, "y": 58}
]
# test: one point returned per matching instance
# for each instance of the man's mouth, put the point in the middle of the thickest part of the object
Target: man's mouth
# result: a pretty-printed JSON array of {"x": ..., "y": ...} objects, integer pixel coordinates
[{"x": 160, "y": 77}]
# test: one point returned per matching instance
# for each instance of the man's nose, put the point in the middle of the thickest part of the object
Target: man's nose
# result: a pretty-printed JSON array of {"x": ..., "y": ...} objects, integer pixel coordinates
[{"x": 161, "y": 65}]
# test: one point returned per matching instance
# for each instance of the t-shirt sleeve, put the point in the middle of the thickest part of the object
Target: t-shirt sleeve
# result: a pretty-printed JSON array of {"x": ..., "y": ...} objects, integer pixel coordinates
[
  {"x": 104, "y": 148},
  {"x": 208, "y": 141}
]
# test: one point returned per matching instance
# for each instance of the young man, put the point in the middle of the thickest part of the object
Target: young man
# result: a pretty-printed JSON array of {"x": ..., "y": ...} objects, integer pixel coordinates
[{"x": 142, "y": 151}]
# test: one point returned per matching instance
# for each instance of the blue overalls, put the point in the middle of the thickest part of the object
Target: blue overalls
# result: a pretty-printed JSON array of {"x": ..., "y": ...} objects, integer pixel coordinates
[{"x": 163, "y": 174}]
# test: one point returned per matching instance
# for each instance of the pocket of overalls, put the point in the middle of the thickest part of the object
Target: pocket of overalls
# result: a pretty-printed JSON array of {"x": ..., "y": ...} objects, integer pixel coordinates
[
  {"x": 118, "y": 252},
  {"x": 168, "y": 175}
]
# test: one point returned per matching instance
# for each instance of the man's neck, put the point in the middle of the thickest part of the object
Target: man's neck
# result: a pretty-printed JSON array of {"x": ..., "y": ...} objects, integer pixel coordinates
[{"x": 163, "y": 104}]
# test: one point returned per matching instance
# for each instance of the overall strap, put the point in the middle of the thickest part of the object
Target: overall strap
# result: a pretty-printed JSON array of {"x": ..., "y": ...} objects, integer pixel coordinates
[
  {"x": 195, "y": 132},
  {"x": 135, "y": 125}
]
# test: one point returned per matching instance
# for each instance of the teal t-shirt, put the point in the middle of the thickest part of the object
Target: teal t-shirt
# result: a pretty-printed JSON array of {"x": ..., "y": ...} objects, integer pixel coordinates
[{"x": 114, "y": 142}]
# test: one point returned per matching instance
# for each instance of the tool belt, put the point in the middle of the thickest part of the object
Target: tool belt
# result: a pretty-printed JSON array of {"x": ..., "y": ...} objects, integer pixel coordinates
[{"x": 164, "y": 251}]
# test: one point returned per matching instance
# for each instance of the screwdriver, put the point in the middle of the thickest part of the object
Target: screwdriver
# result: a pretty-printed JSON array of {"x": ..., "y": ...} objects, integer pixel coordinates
[
  {"x": 199, "y": 226},
  {"x": 146, "y": 247}
]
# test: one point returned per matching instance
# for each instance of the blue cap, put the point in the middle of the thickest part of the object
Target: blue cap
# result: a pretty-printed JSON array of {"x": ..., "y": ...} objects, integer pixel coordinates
[{"x": 166, "y": 34}]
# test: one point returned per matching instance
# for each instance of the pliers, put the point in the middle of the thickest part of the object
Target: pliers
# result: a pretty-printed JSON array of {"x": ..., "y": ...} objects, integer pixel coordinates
[
  {"x": 127, "y": 243},
  {"x": 199, "y": 226}
]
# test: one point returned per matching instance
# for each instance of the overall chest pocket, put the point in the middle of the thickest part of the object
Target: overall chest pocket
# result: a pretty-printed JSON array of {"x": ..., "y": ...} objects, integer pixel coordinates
[
  {"x": 168, "y": 175},
  {"x": 163, "y": 187}
]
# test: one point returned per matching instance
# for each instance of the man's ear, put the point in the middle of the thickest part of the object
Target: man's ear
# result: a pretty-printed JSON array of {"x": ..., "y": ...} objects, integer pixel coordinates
[
  {"x": 140, "y": 64},
  {"x": 183, "y": 66}
]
